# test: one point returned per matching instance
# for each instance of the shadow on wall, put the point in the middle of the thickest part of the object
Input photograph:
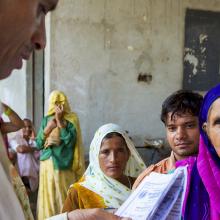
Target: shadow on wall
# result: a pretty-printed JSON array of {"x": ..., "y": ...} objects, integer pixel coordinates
[{"x": 152, "y": 155}]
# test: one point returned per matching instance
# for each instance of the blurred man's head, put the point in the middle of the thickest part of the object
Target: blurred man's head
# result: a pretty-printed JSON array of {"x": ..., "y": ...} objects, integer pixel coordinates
[
  {"x": 180, "y": 113},
  {"x": 22, "y": 24},
  {"x": 27, "y": 129}
]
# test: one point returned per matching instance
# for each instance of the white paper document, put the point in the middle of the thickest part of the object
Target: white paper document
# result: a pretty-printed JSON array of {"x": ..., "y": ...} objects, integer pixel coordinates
[{"x": 158, "y": 197}]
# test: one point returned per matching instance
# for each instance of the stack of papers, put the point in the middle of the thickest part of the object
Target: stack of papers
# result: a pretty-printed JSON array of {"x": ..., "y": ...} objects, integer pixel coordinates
[{"x": 158, "y": 197}]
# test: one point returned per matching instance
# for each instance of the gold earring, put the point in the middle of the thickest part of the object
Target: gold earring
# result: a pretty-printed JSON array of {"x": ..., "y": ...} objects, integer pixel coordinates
[{"x": 204, "y": 126}]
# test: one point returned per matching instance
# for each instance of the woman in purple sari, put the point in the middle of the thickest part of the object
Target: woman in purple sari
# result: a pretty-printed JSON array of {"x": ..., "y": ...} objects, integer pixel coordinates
[{"x": 202, "y": 200}]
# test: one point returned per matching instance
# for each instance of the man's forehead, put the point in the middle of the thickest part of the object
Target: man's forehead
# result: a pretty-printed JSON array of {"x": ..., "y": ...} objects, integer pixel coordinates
[
  {"x": 27, "y": 122},
  {"x": 187, "y": 116}
]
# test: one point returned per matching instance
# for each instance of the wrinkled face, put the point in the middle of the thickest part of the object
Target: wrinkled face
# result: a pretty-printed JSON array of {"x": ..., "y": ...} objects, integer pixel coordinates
[
  {"x": 27, "y": 130},
  {"x": 113, "y": 157},
  {"x": 212, "y": 127},
  {"x": 22, "y": 25},
  {"x": 183, "y": 134}
]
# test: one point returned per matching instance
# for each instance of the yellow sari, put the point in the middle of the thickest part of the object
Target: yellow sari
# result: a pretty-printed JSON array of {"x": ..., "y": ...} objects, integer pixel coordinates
[
  {"x": 80, "y": 197},
  {"x": 58, "y": 97},
  {"x": 55, "y": 183}
]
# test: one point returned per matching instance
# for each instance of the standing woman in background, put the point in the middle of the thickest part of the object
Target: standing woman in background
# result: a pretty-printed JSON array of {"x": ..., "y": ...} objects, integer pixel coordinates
[{"x": 62, "y": 159}]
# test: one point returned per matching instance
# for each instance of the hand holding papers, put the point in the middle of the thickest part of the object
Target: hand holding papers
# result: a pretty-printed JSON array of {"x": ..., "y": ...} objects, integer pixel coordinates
[{"x": 159, "y": 196}]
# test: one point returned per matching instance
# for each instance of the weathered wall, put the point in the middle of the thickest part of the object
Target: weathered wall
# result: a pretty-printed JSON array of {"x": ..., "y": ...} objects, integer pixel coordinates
[
  {"x": 13, "y": 91},
  {"x": 98, "y": 48}
]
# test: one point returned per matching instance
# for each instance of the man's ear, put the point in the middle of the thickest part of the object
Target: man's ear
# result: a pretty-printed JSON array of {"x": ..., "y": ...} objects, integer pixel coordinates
[{"x": 204, "y": 127}]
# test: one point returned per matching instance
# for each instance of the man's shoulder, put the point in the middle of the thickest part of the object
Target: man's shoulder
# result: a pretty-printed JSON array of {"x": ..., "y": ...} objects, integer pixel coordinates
[
  {"x": 160, "y": 167},
  {"x": 162, "y": 162}
]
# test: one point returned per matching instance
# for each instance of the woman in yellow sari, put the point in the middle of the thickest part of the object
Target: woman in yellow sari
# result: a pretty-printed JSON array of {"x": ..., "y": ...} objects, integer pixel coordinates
[
  {"x": 62, "y": 160},
  {"x": 114, "y": 165}
]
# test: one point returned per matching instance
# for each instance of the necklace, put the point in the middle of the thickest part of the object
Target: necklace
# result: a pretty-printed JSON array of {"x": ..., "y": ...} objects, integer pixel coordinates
[{"x": 129, "y": 182}]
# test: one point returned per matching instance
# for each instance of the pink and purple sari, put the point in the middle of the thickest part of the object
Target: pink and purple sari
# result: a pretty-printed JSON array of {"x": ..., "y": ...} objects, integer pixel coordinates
[{"x": 202, "y": 199}]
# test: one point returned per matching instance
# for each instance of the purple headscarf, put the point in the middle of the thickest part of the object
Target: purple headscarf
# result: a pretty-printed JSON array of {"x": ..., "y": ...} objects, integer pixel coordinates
[
  {"x": 208, "y": 162},
  {"x": 202, "y": 199},
  {"x": 209, "y": 98}
]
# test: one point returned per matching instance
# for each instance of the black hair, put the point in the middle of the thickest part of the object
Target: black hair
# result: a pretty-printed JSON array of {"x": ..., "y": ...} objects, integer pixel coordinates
[
  {"x": 115, "y": 134},
  {"x": 181, "y": 102},
  {"x": 27, "y": 119}
]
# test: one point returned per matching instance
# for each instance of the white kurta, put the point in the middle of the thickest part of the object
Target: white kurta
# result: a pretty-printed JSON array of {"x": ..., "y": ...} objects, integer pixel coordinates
[
  {"x": 28, "y": 163},
  {"x": 10, "y": 207}
]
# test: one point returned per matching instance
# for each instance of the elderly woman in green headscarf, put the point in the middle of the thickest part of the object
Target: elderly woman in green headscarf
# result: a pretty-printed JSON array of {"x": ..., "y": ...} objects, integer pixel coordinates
[{"x": 62, "y": 160}]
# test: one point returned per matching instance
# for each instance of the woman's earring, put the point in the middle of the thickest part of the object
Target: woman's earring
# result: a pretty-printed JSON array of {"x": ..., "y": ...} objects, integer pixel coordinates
[{"x": 204, "y": 127}]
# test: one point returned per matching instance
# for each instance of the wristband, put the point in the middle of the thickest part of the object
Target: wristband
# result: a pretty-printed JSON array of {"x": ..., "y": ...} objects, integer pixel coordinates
[{"x": 7, "y": 111}]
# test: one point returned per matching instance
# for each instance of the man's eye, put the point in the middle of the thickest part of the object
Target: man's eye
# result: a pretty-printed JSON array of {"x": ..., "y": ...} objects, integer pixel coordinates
[
  {"x": 171, "y": 129},
  {"x": 190, "y": 125}
]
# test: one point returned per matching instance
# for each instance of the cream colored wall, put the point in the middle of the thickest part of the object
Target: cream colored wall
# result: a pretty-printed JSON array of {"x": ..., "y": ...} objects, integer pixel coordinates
[
  {"x": 98, "y": 48},
  {"x": 13, "y": 91}
]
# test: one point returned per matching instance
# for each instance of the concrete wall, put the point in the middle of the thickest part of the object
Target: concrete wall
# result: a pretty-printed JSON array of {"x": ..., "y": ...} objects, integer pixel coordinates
[
  {"x": 99, "y": 47},
  {"x": 13, "y": 91}
]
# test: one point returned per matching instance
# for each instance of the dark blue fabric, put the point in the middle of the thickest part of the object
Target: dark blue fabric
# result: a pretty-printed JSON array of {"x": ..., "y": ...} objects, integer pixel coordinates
[{"x": 197, "y": 205}]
